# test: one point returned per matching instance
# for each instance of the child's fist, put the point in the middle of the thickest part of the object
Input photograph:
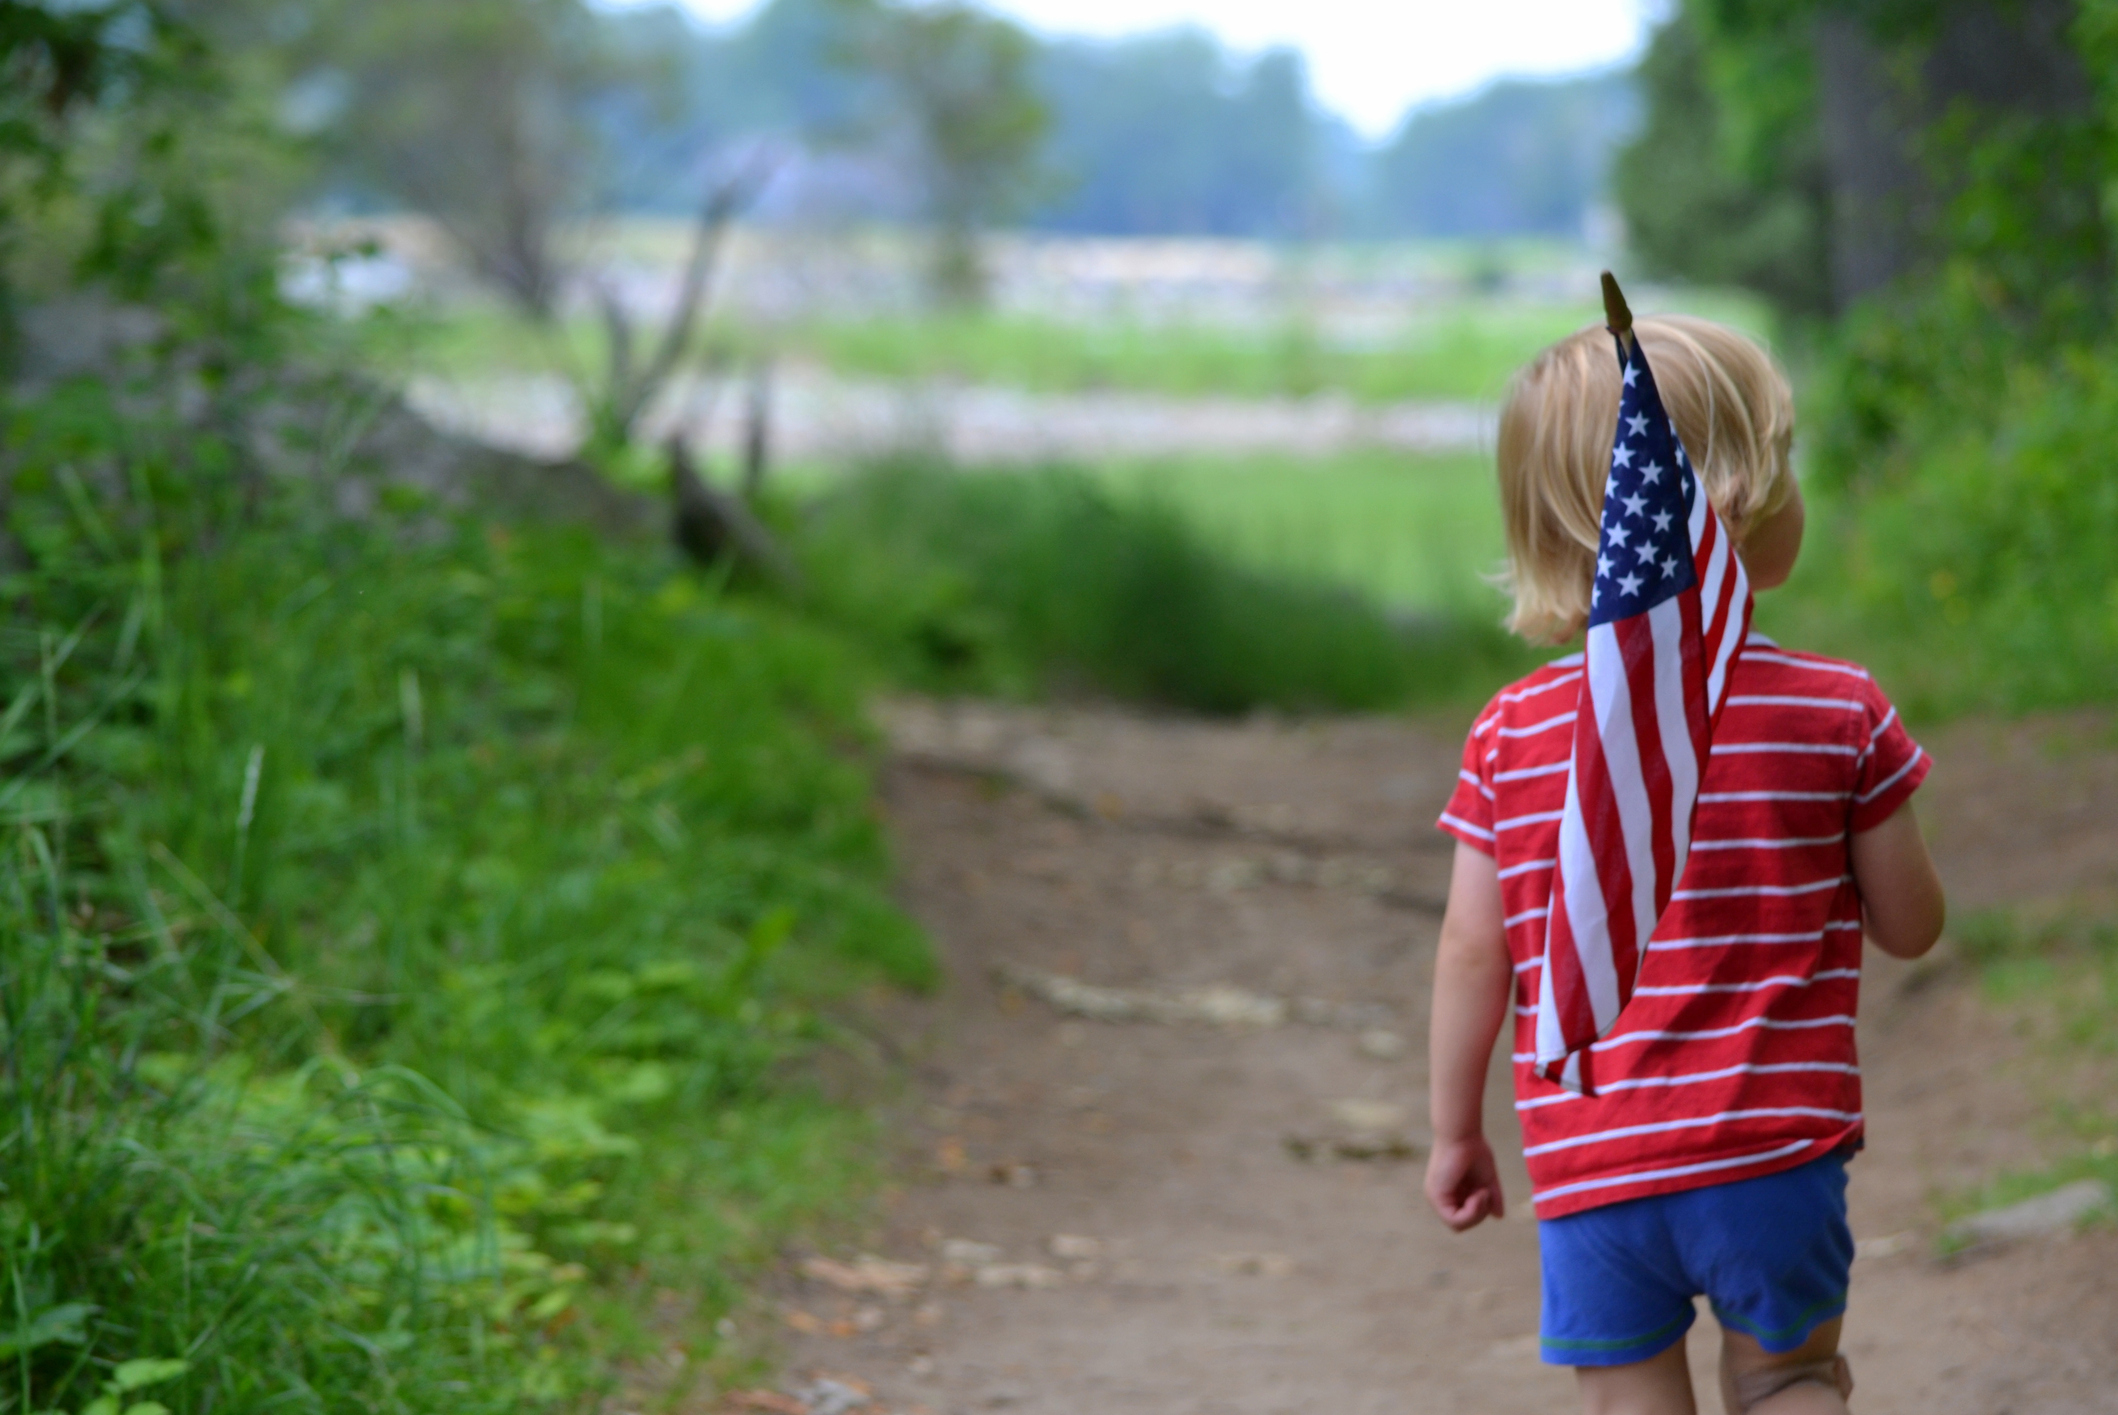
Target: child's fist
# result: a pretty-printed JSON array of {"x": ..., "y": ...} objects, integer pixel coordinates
[{"x": 1463, "y": 1184}]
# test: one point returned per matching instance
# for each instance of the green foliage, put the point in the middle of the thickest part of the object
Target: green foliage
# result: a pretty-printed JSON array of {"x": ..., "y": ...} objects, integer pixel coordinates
[
  {"x": 1462, "y": 353},
  {"x": 1038, "y": 582},
  {"x": 1975, "y": 564},
  {"x": 476, "y": 113},
  {"x": 1418, "y": 534},
  {"x": 1723, "y": 185},
  {"x": 410, "y": 939},
  {"x": 959, "y": 86}
]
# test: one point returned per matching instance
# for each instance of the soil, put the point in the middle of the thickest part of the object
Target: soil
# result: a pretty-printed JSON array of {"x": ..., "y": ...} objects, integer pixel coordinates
[{"x": 1158, "y": 1242}]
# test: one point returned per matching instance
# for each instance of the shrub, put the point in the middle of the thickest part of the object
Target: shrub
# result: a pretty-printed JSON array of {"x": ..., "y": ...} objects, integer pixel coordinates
[
  {"x": 1027, "y": 582},
  {"x": 410, "y": 935}
]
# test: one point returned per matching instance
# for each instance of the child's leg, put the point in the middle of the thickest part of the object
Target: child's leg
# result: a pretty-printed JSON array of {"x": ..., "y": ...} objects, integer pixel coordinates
[
  {"x": 1812, "y": 1379},
  {"x": 1660, "y": 1385}
]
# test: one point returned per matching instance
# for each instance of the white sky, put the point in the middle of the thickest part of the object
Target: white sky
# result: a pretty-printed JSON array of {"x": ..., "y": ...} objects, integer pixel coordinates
[{"x": 1369, "y": 60}]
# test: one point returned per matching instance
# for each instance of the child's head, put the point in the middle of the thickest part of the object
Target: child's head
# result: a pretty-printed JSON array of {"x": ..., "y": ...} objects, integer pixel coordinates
[{"x": 1734, "y": 410}]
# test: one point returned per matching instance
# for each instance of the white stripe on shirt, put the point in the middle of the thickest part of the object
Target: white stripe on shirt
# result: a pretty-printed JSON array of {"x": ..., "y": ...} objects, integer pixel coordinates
[
  {"x": 1466, "y": 827},
  {"x": 1788, "y": 980},
  {"x": 1810, "y": 748},
  {"x": 1647, "y": 1176},
  {"x": 1792, "y": 843},
  {"x": 1536, "y": 727},
  {"x": 1626, "y": 1132},
  {"x": 1525, "y": 773},
  {"x": 1792, "y": 700},
  {"x": 1691, "y": 1078},
  {"x": 1792, "y": 662},
  {"x": 1891, "y": 780},
  {"x": 1561, "y": 681},
  {"x": 1707, "y": 1034},
  {"x": 1722, "y": 940},
  {"x": 1779, "y": 891}
]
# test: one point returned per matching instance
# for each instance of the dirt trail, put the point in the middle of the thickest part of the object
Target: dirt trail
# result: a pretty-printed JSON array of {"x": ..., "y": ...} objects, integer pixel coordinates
[{"x": 1205, "y": 1266}]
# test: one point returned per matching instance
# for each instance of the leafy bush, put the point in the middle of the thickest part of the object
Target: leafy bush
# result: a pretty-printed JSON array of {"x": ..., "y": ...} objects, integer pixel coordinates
[
  {"x": 410, "y": 936},
  {"x": 1975, "y": 563},
  {"x": 1047, "y": 581}
]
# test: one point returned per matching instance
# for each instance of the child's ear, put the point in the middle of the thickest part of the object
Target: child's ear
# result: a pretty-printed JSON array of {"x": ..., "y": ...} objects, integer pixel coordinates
[{"x": 1774, "y": 543}]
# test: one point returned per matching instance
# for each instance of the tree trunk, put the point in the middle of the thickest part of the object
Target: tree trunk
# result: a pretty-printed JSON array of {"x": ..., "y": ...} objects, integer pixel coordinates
[{"x": 1882, "y": 102}]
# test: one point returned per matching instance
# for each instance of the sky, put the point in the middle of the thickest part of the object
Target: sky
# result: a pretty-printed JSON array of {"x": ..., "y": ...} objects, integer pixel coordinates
[{"x": 1369, "y": 60}]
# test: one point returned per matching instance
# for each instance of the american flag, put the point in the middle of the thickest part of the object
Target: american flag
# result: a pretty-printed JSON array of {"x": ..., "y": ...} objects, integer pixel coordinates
[{"x": 1670, "y": 611}]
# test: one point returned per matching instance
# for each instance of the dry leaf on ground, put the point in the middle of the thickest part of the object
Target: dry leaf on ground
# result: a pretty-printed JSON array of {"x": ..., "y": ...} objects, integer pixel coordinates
[{"x": 868, "y": 1273}]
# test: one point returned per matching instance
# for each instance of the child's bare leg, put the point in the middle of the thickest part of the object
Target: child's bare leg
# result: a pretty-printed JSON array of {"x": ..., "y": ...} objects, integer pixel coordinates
[
  {"x": 1810, "y": 1380},
  {"x": 1660, "y": 1385}
]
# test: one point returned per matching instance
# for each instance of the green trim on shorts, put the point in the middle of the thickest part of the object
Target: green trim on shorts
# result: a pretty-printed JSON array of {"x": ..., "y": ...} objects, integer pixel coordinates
[
  {"x": 1580, "y": 1344},
  {"x": 1817, "y": 1314}
]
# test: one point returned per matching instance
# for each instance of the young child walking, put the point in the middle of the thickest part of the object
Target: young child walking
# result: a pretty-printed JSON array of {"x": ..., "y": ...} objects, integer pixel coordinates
[{"x": 1702, "y": 1148}]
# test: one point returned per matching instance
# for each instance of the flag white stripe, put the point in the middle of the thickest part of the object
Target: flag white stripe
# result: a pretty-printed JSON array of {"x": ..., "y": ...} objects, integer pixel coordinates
[
  {"x": 1627, "y": 1132},
  {"x": 1612, "y": 698},
  {"x": 1648, "y": 1176},
  {"x": 1693, "y": 1078},
  {"x": 1671, "y": 722},
  {"x": 1729, "y": 797},
  {"x": 1584, "y": 909},
  {"x": 1734, "y": 628},
  {"x": 1613, "y": 692}
]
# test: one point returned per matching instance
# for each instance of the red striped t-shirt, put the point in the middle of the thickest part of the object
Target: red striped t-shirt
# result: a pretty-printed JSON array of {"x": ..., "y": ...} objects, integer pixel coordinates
[{"x": 1735, "y": 1057}]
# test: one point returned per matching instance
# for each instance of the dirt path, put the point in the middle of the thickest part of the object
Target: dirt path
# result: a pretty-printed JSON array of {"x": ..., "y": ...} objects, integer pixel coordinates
[{"x": 1154, "y": 1243}]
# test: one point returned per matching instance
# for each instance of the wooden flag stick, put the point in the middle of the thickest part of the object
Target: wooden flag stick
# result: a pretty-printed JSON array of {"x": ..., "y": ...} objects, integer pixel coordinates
[{"x": 1616, "y": 313}]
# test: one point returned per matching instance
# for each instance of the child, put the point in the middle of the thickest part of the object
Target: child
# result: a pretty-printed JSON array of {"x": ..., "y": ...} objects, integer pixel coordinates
[{"x": 1711, "y": 1156}]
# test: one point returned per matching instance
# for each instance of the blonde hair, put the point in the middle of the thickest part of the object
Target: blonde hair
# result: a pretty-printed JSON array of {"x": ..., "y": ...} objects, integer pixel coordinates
[{"x": 1732, "y": 406}]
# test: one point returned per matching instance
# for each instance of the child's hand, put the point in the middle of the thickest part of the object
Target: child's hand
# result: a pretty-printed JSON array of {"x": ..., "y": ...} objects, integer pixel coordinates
[{"x": 1463, "y": 1184}]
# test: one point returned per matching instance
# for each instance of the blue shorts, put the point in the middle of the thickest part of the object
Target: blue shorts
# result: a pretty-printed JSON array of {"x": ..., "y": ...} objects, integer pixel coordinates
[{"x": 1771, "y": 1253}]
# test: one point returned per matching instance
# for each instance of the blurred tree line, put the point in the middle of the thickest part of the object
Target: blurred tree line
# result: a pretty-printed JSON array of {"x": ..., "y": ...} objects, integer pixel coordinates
[
  {"x": 1923, "y": 190},
  {"x": 1167, "y": 133}
]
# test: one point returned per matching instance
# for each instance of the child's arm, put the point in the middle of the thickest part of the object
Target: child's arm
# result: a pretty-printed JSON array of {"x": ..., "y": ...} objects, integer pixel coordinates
[
  {"x": 1473, "y": 982},
  {"x": 1900, "y": 893}
]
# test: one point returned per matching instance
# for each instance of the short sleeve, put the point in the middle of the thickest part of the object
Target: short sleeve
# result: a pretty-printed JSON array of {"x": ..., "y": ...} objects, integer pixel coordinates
[
  {"x": 1890, "y": 765},
  {"x": 1469, "y": 816}
]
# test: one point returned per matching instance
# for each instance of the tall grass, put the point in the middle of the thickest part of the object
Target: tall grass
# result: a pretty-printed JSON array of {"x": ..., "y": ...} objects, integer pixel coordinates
[
  {"x": 411, "y": 937},
  {"x": 1042, "y": 582}
]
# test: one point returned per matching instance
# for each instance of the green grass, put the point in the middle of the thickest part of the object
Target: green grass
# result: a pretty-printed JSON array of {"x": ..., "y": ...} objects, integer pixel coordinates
[
  {"x": 1040, "y": 582},
  {"x": 1459, "y": 350},
  {"x": 413, "y": 942},
  {"x": 1412, "y": 532}
]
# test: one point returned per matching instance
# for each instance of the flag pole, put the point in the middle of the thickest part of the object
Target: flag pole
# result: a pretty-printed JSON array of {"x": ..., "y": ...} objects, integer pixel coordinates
[{"x": 1617, "y": 315}]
